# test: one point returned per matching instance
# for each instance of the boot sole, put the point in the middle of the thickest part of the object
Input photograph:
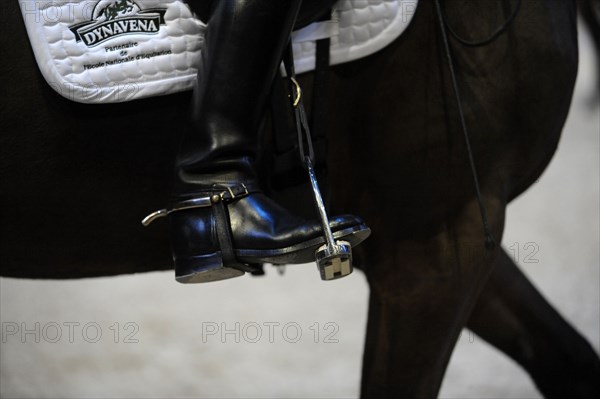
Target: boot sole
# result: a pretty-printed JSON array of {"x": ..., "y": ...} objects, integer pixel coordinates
[
  {"x": 303, "y": 252},
  {"x": 210, "y": 267}
]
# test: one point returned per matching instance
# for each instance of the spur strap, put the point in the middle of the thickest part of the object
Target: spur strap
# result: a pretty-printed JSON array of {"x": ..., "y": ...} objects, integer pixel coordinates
[
  {"x": 217, "y": 194},
  {"x": 225, "y": 234}
]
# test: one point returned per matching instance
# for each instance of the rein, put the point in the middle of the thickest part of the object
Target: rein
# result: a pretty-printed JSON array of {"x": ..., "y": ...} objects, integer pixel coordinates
[
  {"x": 490, "y": 242},
  {"x": 483, "y": 42}
]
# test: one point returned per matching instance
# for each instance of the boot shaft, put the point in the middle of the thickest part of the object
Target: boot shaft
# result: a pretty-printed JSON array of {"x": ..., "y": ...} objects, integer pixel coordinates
[{"x": 244, "y": 43}]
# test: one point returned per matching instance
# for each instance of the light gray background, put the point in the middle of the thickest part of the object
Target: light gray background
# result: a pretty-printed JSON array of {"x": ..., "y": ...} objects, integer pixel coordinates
[{"x": 559, "y": 214}]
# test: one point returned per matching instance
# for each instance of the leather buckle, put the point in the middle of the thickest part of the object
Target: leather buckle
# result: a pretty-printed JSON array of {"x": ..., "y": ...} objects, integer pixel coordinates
[{"x": 233, "y": 194}]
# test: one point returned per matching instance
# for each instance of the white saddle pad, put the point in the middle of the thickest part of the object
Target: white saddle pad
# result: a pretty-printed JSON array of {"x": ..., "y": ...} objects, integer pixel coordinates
[{"x": 103, "y": 51}]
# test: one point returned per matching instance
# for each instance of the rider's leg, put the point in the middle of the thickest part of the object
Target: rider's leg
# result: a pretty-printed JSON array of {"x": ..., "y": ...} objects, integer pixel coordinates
[{"x": 222, "y": 221}]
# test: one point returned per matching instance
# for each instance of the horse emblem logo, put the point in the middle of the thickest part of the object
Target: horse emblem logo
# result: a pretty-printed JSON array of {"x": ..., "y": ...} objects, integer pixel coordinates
[{"x": 114, "y": 18}]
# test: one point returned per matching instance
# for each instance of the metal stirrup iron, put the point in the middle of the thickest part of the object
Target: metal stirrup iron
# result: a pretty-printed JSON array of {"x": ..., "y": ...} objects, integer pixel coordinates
[{"x": 334, "y": 258}]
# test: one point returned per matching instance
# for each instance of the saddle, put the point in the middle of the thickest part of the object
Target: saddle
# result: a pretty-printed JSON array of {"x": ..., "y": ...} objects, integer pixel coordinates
[{"x": 107, "y": 51}]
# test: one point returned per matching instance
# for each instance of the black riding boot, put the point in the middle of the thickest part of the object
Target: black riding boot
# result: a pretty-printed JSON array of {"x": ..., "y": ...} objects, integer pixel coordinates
[{"x": 220, "y": 221}]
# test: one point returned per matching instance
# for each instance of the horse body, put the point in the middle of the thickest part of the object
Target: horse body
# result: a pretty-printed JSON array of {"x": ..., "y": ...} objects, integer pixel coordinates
[{"x": 77, "y": 179}]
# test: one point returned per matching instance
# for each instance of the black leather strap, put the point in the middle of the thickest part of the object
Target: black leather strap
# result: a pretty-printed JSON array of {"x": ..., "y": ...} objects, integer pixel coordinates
[
  {"x": 220, "y": 199},
  {"x": 220, "y": 196},
  {"x": 320, "y": 98},
  {"x": 224, "y": 234},
  {"x": 204, "y": 199},
  {"x": 231, "y": 192}
]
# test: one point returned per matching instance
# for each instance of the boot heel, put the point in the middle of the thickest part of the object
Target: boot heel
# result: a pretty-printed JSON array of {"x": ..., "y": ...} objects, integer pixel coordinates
[{"x": 203, "y": 269}]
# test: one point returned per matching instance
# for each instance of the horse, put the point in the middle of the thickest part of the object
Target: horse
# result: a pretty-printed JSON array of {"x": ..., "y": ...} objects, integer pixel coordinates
[
  {"x": 77, "y": 179},
  {"x": 589, "y": 10}
]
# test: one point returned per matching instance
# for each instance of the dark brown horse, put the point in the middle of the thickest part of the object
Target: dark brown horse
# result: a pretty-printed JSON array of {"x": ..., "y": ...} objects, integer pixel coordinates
[{"x": 77, "y": 179}]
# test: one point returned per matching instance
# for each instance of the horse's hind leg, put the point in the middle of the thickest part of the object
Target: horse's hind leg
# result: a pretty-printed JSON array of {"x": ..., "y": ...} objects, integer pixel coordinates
[
  {"x": 422, "y": 293},
  {"x": 514, "y": 317}
]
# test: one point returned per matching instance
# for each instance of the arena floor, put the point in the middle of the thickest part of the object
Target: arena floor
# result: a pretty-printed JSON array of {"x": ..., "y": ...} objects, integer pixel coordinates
[{"x": 297, "y": 337}]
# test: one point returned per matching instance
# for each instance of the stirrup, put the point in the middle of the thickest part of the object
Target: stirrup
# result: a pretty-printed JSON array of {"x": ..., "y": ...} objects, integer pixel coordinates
[{"x": 334, "y": 259}]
